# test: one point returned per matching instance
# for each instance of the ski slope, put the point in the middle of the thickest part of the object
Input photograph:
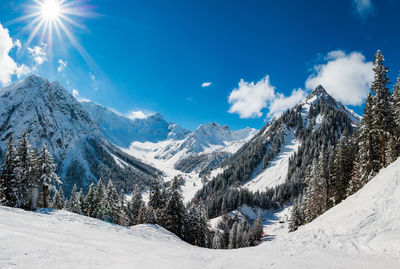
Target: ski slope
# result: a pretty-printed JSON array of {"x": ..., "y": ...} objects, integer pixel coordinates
[
  {"x": 361, "y": 232},
  {"x": 276, "y": 171}
]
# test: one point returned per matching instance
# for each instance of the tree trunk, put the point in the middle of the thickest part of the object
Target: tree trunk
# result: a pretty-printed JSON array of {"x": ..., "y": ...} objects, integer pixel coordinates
[
  {"x": 46, "y": 194},
  {"x": 383, "y": 151}
]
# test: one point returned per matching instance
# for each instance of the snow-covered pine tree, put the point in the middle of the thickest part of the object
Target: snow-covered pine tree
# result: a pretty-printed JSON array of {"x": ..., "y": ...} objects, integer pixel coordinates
[
  {"x": 196, "y": 229},
  {"x": 48, "y": 176},
  {"x": 174, "y": 210},
  {"x": 59, "y": 199},
  {"x": 34, "y": 181},
  {"x": 257, "y": 230},
  {"x": 9, "y": 187},
  {"x": 296, "y": 214},
  {"x": 74, "y": 204},
  {"x": 233, "y": 236},
  {"x": 112, "y": 209},
  {"x": 99, "y": 209},
  {"x": 134, "y": 204},
  {"x": 368, "y": 157},
  {"x": 396, "y": 114},
  {"x": 315, "y": 198},
  {"x": 217, "y": 240},
  {"x": 90, "y": 201},
  {"x": 382, "y": 116},
  {"x": 156, "y": 200},
  {"x": 124, "y": 218},
  {"x": 340, "y": 172},
  {"x": 23, "y": 174}
]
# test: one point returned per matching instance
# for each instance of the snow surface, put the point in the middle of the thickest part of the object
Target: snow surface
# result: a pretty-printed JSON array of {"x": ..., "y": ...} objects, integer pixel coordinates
[{"x": 361, "y": 232}]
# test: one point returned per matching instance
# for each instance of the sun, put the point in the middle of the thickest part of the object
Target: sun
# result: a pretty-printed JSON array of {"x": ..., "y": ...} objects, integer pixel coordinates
[{"x": 50, "y": 10}]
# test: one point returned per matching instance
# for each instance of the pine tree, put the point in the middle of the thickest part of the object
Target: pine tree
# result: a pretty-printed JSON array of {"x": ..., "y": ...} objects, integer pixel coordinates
[
  {"x": 368, "y": 158},
  {"x": 233, "y": 236},
  {"x": 124, "y": 218},
  {"x": 74, "y": 204},
  {"x": 396, "y": 114},
  {"x": 48, "y": 176},
  {"x": 59, "y": 199},
  {"x": 196, "y": 230},
  {"x": 217, "y": 240},
  {"x": 156, "y": 200},
  {"x": 382, "y": 117},
  {"x": 315, "y": 199},
  {"x": 90, "y": 201},
  {"x": 23, "y": 171},
  {"x": 9, "y": 186},
  {"x": 257, "y": 230},
  {"x": 113, "y": 210},
  {"x": 134, "y": 204},
  {"x": 296, "y": 215},
  {"x": 174, "y": 210},
  {"x": 340, "y": 173},
  {"x": 99, "y": 209}
]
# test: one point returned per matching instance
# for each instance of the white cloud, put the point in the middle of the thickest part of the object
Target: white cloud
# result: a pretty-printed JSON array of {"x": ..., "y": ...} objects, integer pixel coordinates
[
  {"x": 137, "y": 115},
  {"x": 363, "y": 7},
  {"x": 61, "y": 65},
  {"x": 8, "y": 67},
  {"x": 281, "y": 103},
  {"x": 92, "y": 77},
  {"x": 347, "y": 77},
  {"x": 17, "y": 44},
  {"x": 38, "y": 53},
  {"x": 250, "y": 98},
  {"x": 206, "y": 84},
  {"x": 75, "y": 93}
]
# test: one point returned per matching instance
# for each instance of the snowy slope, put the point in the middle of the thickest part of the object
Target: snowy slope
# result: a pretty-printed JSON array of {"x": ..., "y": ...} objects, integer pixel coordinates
[
  {"x": 361, "y": 232},
  {"x": 122, "y": 131},
  {"x": 276, "y": 171}
]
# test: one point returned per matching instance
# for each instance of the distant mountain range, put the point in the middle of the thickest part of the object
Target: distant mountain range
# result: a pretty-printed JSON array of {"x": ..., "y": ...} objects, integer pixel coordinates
[{"x": 89, "y": 141}]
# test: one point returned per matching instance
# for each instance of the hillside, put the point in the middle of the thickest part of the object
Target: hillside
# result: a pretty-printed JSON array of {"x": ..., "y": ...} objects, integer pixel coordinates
[{"x": 361, "y": 232}]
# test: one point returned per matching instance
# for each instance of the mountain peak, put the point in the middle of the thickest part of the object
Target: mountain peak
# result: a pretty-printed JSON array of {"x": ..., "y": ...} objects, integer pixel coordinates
[{"x": 319, "y": 91}]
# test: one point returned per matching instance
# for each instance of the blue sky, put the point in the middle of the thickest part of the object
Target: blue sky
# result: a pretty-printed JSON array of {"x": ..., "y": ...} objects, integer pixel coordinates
[{"x": 154, "y": 56}]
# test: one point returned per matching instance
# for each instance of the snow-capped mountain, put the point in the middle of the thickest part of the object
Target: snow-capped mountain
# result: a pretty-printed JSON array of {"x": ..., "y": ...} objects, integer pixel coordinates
[
  {"x": 122, "y": 131},
  {"x": 50, "y": 114},
  {"x": 279, "y": 153},
  {"x": 196, "y": 156},
  {"x": 169, "y": 147}
]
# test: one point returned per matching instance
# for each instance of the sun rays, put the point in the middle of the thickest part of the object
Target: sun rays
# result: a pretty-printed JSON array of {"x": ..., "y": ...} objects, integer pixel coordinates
[{"x": 50, "y": 19}]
